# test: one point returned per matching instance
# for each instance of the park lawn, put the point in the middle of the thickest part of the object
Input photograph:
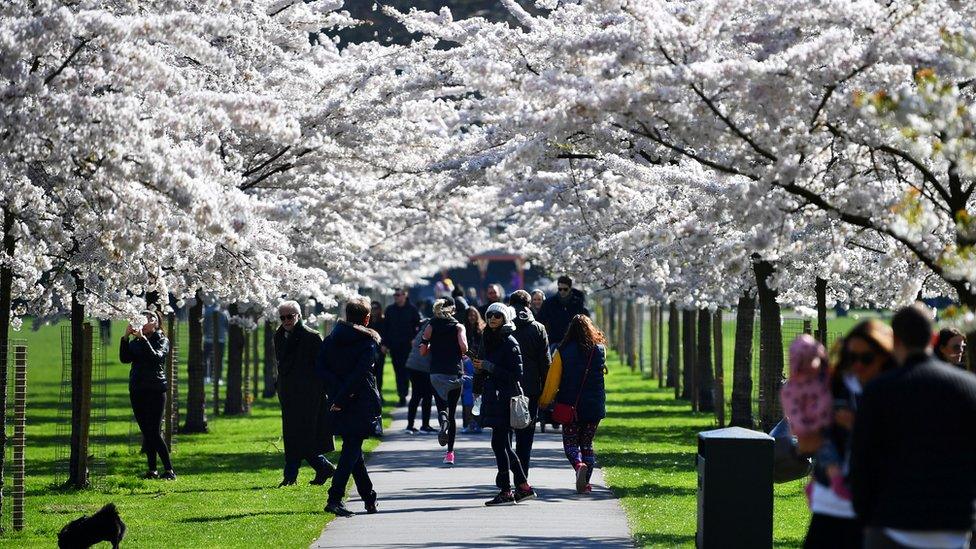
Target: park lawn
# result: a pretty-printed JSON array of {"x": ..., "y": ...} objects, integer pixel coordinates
[
  {"x": 647, "y": 447},
  {"x": 225, "y": 494}
]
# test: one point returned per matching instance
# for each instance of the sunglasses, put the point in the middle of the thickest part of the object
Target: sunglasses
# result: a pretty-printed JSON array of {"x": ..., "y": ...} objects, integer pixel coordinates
[
  {"x": 494, "y": 315},
  {"x": 288, "y": 316},
  {"x": 863, "y": 358},
  {"x": 563, "y": 289}
]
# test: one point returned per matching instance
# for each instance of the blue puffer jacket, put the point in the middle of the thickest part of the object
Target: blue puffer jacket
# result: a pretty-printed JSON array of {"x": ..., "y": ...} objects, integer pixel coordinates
[
  {"x": 592, "y": 393},
  {"x": 346, "y": 363},
  {"x": 505, "y": 371}
]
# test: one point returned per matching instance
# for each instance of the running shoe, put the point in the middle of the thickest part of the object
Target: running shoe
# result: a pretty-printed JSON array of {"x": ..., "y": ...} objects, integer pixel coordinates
[
  {"x": 449, "y": 458},
  {"x": 522, "y": 495},
  {"x": 338, "y": 509},
  {"x": 503, "y": 498},
  {"x": 411, "y": 431},
  {"x": 442, "y": 434},
  {"x": 370, "y": 503},
  {"x": 581, "y": 478},
  {"x": 427, "y": 429}
]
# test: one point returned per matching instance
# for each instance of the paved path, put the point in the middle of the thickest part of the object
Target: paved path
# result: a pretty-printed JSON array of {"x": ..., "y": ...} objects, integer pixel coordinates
[{"x": 424, "y": 504}]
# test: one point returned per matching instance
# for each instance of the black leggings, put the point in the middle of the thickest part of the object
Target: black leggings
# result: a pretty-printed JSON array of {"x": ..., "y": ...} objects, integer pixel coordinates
[
  {"x": 447, "y": 410},
  {"x": 148, "y": 409},
  {"x": 505, "y": 458},
  {"x": 422, "y": 393}
]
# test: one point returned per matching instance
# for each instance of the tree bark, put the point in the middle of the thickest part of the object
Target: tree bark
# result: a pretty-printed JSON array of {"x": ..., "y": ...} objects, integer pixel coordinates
[
  {"x": 770, "y": 347},
  {"x": 77, "y": 464},
  {"x": 742, "y": 362},
  {"x": 269, "y": 361},
  {"x": 717, "y": 347},
  {"x": 256, "y": 367},
  {"x": 196, "y": 395},
  {"x": 660, "y": 344},
  {"x": 674, "y": 347},
  {"x": 821, "y": 291},
  {"x": 6, "y": 285},
  {"x": 217, "y": 361},
  {"x": 690, "y": 389},
  {"x": 234, "y": 401},
  {"x": 703, "y": 360},
  {"x": 630, "y": 336},
  {"x": 612, "y": 325},
  {"x": 245, "y": 378}
]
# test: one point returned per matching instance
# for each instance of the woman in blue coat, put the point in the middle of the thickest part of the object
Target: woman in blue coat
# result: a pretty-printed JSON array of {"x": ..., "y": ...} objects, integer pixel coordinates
[
  {"x": 576, "y": 378},
  {"x": 500, "y": 362}
]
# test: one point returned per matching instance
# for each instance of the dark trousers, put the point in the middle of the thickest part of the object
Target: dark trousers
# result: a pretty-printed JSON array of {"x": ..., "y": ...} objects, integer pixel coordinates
[
  {"x": 447, "y": 411},
  {"x": 351, "y": 462},
  {"x": 318, "y": 463},
  {"x": 506, "y": 459},
  {"x": 398, "y": 355},
  {"x": 525, "y": 437},
  {"x": 148, "y": 409},
  {"x": 827, "y": 532},
  {"x": 422, "y": 394},
  {"x": 875, "y": 538}
]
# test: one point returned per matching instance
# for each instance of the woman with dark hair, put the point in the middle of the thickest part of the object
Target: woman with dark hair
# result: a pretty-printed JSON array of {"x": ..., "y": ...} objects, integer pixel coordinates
[
  {"x": 147, "y": 351},
  {"x": 376, "y": 322},
  {"x": 474, "y": 327},
  {"x": 499, "y": 363},
  {"x": 950, "y": 346},
  {"x": 576, "y": 383},
  {"x": 446, "y": 343},
  {"x": 864, "y": 353}
]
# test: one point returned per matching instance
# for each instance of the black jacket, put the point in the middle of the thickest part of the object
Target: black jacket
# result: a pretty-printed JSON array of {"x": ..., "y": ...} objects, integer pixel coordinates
[
  {"x": 305, "y": 425},
  {"x": 460, "y": 309},
  {"x": 148, "y": 358},
  {"x": 913, "y": 459},
  {"x": 400, "y": 325},
  {"x": 587, "y": 386},
  {"x": 504, "y": 358},
  {"x": 556, "y": 313},
  {"x": 534, "y": 343},
  {"x": 445, "y": 353},
  {"x": 346, "y": 362}
]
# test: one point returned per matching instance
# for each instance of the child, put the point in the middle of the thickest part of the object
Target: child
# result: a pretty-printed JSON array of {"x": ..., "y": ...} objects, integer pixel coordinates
[{"x": 809, "y": 405}]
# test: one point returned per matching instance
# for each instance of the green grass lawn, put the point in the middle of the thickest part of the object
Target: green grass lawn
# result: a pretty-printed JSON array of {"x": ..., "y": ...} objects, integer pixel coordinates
[
  {"x": 225, "y": 495},
  {"x": 647, "y": 447}
]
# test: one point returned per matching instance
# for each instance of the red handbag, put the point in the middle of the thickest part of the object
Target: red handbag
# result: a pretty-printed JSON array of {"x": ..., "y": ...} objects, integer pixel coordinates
[{"x": 564, "y": 413}]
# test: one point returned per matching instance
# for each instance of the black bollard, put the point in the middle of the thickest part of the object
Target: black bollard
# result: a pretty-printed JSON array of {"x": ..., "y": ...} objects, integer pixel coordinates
[{"x": 735, "y": 489}]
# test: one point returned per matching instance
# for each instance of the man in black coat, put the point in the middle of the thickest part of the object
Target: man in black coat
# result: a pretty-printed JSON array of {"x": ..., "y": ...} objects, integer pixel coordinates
[
  {"x": 494, "y": 293},
  {"x": 559, "y": 309},
  {"x": 400, "y": 324},
  {"x": 913, "y": 457},
  {"x": 346, "y": 361},
  {"x": 534, "y": 343},
  {"x": 304, "y": 414}
]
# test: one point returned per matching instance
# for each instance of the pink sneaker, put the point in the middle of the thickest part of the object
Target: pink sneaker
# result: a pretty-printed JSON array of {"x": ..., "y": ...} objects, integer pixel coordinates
[{"x": 449, "y": 458}]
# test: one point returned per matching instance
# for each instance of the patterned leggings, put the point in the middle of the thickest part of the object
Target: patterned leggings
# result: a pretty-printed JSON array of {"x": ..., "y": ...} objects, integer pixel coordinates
[{"x": 578, "y": 442}]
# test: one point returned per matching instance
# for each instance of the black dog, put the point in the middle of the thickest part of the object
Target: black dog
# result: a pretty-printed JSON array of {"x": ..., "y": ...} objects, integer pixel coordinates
[{"x": 105, "y": 525}]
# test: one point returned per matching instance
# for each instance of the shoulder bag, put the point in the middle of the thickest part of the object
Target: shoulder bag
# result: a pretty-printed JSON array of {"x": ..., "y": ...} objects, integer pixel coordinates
[{"x": 564, "y": 413}]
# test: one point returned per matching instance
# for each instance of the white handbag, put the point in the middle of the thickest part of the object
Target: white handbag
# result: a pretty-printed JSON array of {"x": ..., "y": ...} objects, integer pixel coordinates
[{"x": 519, "y": 414}]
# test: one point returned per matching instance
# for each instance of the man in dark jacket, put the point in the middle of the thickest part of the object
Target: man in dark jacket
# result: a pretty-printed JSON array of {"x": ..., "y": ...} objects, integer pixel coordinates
[
  {"x": 534, "y": 343},
  {"x": 913, "y": 458},
  {"x": 460, "y": 305},
  {"x": 401, "y": 323},
  {"x": 346, "y": 361},
  {"x": 304, "y": 415},
  {"x": 559, "y": 309},
  {"x": 494, "y": 293}
]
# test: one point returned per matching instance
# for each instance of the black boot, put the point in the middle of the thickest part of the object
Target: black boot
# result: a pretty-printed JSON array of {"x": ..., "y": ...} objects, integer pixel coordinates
[
  {"x": 323, "y": 474},
  {"x": 370, "y": 503}
]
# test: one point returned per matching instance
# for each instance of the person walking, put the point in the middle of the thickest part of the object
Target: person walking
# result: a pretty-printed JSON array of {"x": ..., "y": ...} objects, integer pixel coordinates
[
  {"x": 913, "y": 472},
  {"x": 538, "y": 298},
  {"x": 500, "y": 363},
  {"x": 305, "y": 428},
  {"x": 534, "y": 344},
  {"x": 146, "y": 348},
  {"x": 864, "y": 354},
  {"x": 347, "y": 363},
  {"x": 950, "y": 346},
  {"x": 421, "y": 390},
  {"x": 494, "y": 293},
  {"x": 445, "y": 341},
  {"x": 401, "y": 323},
  {"x": 460, "y": 304},
  {"x": 474, "y": 328},
  {"x": 559, "y": 310},
  {"x": 376, "y": 323},
  {"x": 576, "y": 384}
]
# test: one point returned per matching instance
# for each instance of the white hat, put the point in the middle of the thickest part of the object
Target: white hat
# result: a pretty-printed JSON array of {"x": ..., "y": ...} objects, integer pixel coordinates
[{"x": 505, "y": 310}]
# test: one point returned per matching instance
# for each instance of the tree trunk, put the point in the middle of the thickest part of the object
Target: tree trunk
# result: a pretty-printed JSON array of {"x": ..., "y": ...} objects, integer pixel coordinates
[
  {"x": 245, "y": 378},
  {"x": 234, "y": 401},
  {"x": 217, "y": 361},
  {"x": 674, "y": 347},
  {"x": 717, "y": 347},
  {"x": 660, "y": 345},
  {"x": 255, "y": 362},
  {"x": 77, "y": 461},
  {"x": 821, "y": 291},
  {"x": 690, "y": 390},
  {"x": 770, "y": 348},
  {"x": 630, "y": 336},
  {"x": 742, "y": 362},
  {"x": 703, "y": 360},
  {"x": 6, "y": 284},
  {"x": 269, "y": 361},
  {"x": 612, "y": 325},
  {"x": 196, "y": 394}
]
